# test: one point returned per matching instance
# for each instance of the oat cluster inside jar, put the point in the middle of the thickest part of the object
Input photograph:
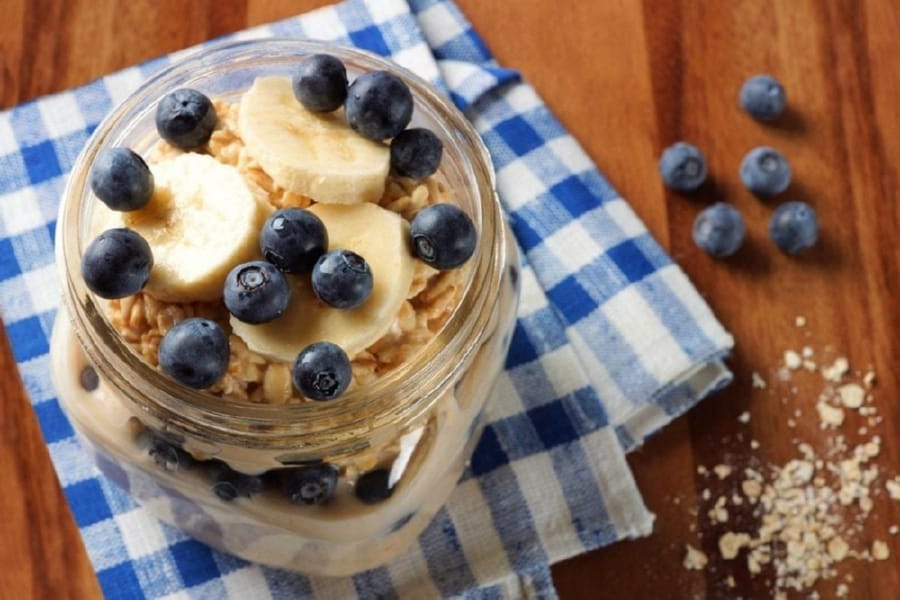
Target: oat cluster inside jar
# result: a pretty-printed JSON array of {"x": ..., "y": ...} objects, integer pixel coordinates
[{"x": 289, "y": 246}]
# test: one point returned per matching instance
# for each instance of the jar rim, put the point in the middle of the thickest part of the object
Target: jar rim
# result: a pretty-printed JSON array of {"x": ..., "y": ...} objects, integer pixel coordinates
[{"x": 206, "y": 414}]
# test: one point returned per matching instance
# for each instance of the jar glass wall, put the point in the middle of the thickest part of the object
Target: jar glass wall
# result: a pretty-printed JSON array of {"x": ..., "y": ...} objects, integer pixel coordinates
[{"x": 415, "y": 427}]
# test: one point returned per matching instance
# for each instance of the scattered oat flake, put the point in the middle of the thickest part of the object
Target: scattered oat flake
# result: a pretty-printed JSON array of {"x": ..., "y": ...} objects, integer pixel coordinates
[
  {"x": 701, "y": 470},
  {"x": 800, "y": 321},
  {"x": 722, "y": 471},
  {"x": 837, "y": 549},
  {"x": 694, "y": 559},
  {"x": 731, "y": 543},
  {"x": 893, "y": 487},
  {"x": 754, "y": 444},
  {"x": 744, "y": 417},
  {"x": 792, "y": 360},
  {"x": 729, "y": 581},
  {"x": 837, "y": 370},
  {"x": 842, "y": 591},
  {"x": 758, "y": 381},
  {"x": 830, "y": 416},
  {"x": 893, "y": 529},
  {"x": 869, "y": 379},
  {"x": 880, "y": 550},
  {"x": 852, "y": 395},
  {"x": 807, "y": 352},
  {"x": 810, "y": 365}
]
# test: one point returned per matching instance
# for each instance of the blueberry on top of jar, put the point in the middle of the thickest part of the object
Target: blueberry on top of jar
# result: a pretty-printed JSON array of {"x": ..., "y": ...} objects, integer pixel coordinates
[
  {"x": 443, "y": 236},
  {"x": 342, "y": 279},
  {"x": 121, "y": 179},
  {"x": 682, "y": 167},
  {"x": 293, "y": 239},
  {"x": 416, "y": 153},
  {"x": 194, "y": 352},
  {"x": 378, "y": 106},
  {"x": 322, "y": 371},
  {"x": 763, "y": 98},
  {"x": 320, "y": 83},
  {"x": 117, "y": 263},
  {"x": 256, "y": 292},
  {"x": 185, "y": 118}
]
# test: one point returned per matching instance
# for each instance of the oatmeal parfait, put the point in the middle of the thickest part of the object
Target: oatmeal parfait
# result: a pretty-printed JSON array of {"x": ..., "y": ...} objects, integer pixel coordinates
[{"x": 297, "y": 295}]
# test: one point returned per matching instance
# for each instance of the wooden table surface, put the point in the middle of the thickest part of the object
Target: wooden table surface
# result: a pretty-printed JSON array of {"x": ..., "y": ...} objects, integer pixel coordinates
[{"x": 627, "y": 78}]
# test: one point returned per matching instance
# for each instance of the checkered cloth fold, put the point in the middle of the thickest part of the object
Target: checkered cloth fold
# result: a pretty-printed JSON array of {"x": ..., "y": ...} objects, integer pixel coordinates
[{"x": 611, "y": 343}]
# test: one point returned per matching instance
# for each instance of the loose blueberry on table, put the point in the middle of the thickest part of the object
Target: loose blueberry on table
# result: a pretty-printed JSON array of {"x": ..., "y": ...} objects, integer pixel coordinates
[
  {"x": 763, "y": 98},
  {"x": 765, "y": 172},
  {"x": 443, "y": 236},
  {"x": 719, "y": 230},
  {"x": 320, "y": 84},
  {"x": 293, "y": 239},
  {"x": 794, "y": 227},
  {"x": 185, "y": 118},
  {"x": 322, "y": 371},
  {"x": 683, "y": 167},
  {"x": 256, "y": 292},
  {"x": 121, "y": 179},
  {"x": 117, "y": 263},
  {"x": 194, "y": 352}
]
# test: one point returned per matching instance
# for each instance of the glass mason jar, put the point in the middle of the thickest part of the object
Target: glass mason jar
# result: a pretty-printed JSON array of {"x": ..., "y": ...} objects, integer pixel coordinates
[{"x": 413, "y": 429}]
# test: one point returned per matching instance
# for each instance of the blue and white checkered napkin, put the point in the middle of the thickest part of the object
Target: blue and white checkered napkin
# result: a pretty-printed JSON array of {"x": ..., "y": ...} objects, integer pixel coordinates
[{"x": 612, "y": 341}]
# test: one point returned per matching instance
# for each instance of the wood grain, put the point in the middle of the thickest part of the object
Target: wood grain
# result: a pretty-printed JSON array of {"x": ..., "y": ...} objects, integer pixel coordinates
[{"x": 627, "y": 78}]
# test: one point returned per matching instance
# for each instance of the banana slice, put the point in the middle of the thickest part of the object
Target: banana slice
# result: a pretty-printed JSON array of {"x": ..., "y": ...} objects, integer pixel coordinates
[
  {"x": 313, "y": 154},
  {"x": 382, "y": 238},
  {"x": 202, "y": 221}
]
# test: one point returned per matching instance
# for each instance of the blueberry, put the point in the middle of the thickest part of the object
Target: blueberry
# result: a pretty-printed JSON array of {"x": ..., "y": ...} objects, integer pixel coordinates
[
  {"x": 763, "y": 98},
  {"x": 256, "y": 292},
  {"x": 117, "y": 263},
  {"x": 379, "y": 105},
  {"x": 682, "y": 167},
  {"x": 309, "y": 485},
  {"x": 443, "y": 236},
  {"x": 185, "y": 118},
  {"x": 765, "y": 172},
  {"x": 719, "y": 230},
  {"x": 168, "y": 454},
  {"x": 89, "y": 379},
  {"x": 794, "y": 227},
  {"x": 342, "y": 279},
  {"x": 229, "y": 484},
  {"x": 374, "y": 486},
  {"x": 416, "y": 153},
  {"x": 121, "y": 179},
  {"x": 194, "y": 352},
  {"x": 320, "y": 84},
  {"x": 293, "y": 239},
  {"x": 322, "y": 371}
]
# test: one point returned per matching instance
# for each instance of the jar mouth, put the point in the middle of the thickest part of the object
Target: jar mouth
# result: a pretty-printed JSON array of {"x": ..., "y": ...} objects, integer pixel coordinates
[{"x": 415, "y": 383}]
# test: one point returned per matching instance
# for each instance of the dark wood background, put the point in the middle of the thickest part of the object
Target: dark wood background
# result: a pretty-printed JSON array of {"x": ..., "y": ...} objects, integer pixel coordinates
[{"x": 627, "y": 78}]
